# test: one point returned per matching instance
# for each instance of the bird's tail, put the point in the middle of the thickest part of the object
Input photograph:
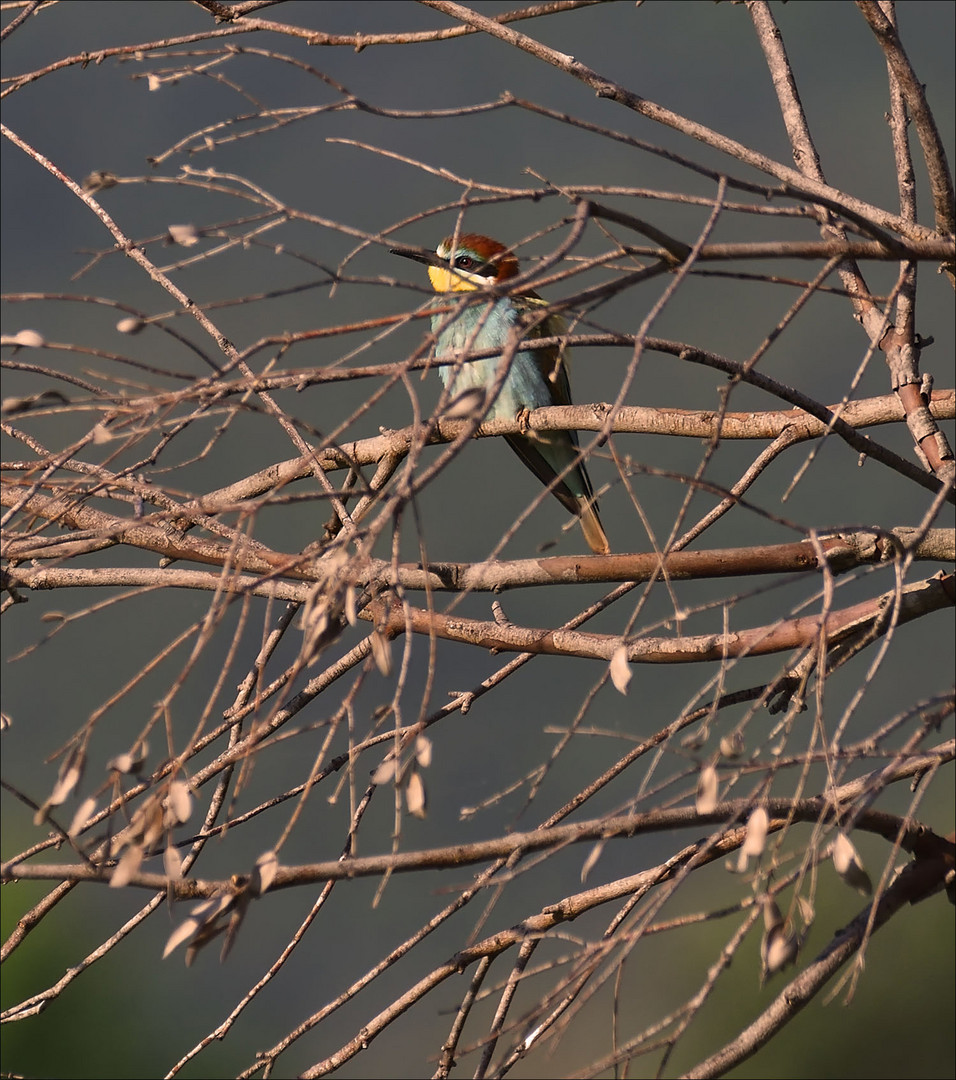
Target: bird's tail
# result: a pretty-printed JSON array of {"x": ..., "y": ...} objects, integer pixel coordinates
[{"x": 593, "y": 529}]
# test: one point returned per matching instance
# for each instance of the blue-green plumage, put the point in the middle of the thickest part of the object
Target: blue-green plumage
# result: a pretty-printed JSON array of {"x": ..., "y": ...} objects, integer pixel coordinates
[{"x": 537, "y": 377}]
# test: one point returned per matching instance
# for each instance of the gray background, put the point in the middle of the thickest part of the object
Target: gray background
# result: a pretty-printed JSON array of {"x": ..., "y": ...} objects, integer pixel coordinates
[{"x": 699, "y": 59}]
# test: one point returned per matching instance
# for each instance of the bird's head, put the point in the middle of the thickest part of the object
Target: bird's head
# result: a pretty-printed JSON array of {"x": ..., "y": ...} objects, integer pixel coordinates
[{"x": 467, "y": 263}]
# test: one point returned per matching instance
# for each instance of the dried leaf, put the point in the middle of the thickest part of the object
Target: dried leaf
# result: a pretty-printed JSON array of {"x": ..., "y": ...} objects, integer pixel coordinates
[
  {"x": 754, "y": 839},
  {"x": 777, "y": 950},
  {"x": 707, "y": 790},
  {"x": 182, "y": 933},
  {"x": 207, "y": 933},
  {"x": 771, "y": 914},
  {"x": 206, "y": 911},
  {"x": 732, "y": 745},
  {"x": 100, "y": 180},
  {"x": 351, "y": 605},
  {"x": 620, "y": 669},
  {"x": 172, "y": 862},
  {"x": 267, "y": 866},
  {"x": 184, "y": 235},
  {"x": 778, "y": 947},
  {"x": 129, "y": 864},
  {"x": 70, "y": 774},
  {"x": 423, "y": 750},
  {"x": 179, "y": 803},
  {"x": 381, "y": 652},
  {"x": 122, "y": 763},
  {"x": 83, "y": 814},
  {"x": 847, "y": 863},
  {"x": 236, "y": 916},
  {"x": 415, "y": 795},
  {"x": 139, "y": 755},
  {"x": 201, "y": 926},
  {"x": 154, "y": 823},
  {"x": 385, "y": 773}
]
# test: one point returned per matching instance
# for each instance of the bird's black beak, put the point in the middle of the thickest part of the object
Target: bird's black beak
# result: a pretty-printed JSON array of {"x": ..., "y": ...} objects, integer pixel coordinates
[{"x": 428, "y": 258}]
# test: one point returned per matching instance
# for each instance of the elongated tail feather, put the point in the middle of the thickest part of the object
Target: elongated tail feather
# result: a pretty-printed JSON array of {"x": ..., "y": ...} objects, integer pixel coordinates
[
  {"x": 593, "y": 530},
  {"x": 581, "y": 505}
]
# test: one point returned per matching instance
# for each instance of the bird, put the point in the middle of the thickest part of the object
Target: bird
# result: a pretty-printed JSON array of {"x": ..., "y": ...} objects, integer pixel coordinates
[{"x": 537, "y": 378}]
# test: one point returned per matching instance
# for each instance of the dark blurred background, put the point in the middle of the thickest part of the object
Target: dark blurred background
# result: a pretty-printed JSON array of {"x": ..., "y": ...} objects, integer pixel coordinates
[{"x": 133, "y": 1015}]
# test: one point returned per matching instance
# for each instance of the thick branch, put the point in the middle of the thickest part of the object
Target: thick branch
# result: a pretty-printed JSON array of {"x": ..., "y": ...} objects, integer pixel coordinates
[
  {"x": 787, "y": 634},
  {"x": 687, "y": 423},
  {"x": 842, "y": 552},
  {"x": 940, "y": 177}
]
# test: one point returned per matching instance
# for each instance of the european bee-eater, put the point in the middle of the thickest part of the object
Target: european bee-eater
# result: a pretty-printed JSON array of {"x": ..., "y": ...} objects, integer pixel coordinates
[{"x": 538, "y": 377}]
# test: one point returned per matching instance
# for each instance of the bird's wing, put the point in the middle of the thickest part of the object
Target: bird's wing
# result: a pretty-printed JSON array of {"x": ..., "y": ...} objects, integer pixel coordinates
[
  {"x": 531, "y": 455},
  {"x": 553, "y": 361}
]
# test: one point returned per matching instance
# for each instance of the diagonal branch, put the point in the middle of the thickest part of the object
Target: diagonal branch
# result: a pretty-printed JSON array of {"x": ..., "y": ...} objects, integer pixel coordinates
[{"x": 795, "y": 183}]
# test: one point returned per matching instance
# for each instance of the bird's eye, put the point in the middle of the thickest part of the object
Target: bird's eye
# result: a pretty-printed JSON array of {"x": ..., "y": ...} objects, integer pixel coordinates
[{"x": 465, "y": 262}]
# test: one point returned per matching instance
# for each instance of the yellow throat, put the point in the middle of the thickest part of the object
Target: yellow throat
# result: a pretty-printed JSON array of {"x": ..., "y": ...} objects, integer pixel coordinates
[{"x": 445, "y": 280}]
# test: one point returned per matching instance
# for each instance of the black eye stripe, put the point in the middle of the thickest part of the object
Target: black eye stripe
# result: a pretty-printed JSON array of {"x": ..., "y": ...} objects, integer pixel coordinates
[{"x": 470, "y": 264}]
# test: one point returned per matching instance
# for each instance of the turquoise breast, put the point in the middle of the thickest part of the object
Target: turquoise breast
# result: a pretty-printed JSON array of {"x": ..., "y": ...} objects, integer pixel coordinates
[{"x": 479, "y": 328}]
